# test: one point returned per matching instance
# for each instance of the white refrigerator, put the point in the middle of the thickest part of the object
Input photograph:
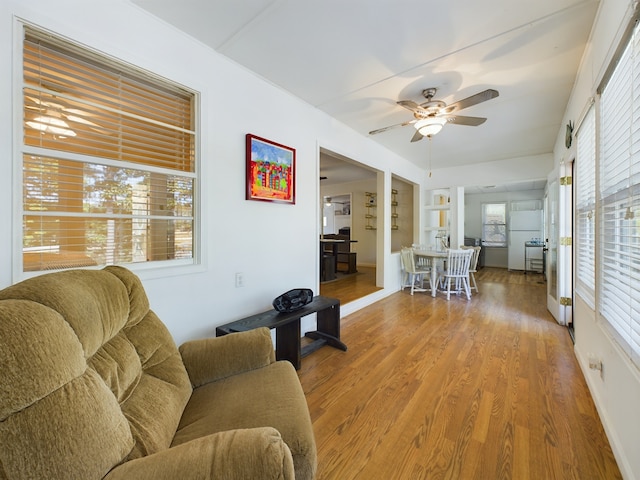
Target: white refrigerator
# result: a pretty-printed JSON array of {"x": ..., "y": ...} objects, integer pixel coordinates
[{"x": 524, "y": 226}]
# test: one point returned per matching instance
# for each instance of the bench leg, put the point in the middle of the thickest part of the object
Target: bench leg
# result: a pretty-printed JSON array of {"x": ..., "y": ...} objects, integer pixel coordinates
[
  {"x": 321, "y": 339},
  {"x": 288, "y": 343},
  {"x": 328, "y": 333}
]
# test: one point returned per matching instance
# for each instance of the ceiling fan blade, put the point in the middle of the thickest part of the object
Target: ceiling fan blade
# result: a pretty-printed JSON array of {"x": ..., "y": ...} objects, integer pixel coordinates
[
  {"x": 472, "y": 100},
  {"x": 384, "y": 129},
  {"x": 413, "y": 106},
  {"x": 75, "y": 117},
  {"x": 462, "y": 120},
  {"x": 416, "y": 136}
]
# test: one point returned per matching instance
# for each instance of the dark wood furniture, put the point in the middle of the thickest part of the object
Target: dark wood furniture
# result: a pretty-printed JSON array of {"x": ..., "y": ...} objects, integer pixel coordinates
[
  {"x": 287, "y": 325},
  {"x": 328, "y": 267},
  {"x": 348, "y": 260},
  {"x": 328, "y": 258},
  {"x": 339, "y": 245}
]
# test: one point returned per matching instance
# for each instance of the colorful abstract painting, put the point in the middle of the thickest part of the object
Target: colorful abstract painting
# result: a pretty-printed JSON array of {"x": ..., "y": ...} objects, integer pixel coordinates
[{"x": 270, "y": 171}]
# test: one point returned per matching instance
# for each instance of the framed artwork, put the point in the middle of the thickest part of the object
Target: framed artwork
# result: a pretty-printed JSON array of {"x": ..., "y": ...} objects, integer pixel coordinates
[{"x": 271, "y": 175}]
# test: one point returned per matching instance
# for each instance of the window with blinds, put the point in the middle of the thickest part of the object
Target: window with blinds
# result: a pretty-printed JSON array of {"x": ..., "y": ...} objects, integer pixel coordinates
[
  {"x": 108, "y": 161},
  {"x": 585, "y": 185},
  {"x": 494, "y": 224},
  {"x": 619, "y": 197}
]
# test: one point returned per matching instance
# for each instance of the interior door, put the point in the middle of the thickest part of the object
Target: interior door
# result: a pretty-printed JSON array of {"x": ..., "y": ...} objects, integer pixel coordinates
[
  {"x": 551, "y": 240},
  {"x": 565, "y": 247},
  {"x": 559, "y": 250}
]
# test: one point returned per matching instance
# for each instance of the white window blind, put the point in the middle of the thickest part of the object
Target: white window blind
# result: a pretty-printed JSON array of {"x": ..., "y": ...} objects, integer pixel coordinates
[
  {"x": 108, "y": 161},
  {"x": 585, "y": 184},
  {"x": 620, "y": 200}
]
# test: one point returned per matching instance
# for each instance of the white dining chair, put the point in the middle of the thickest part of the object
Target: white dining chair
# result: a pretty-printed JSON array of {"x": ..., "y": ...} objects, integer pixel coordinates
[
  {"x": 473, "y": 266},
  {"x": 457, "y": 272},
  {"x": 421, "y": 262},
  {"x": 410, "y": 273}
]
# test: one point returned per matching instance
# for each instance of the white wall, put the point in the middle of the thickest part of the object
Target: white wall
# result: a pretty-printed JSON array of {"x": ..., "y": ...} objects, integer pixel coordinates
[
  {"x": 274, "y": 246},
  {"x": 617, "y": 392},
  {"x": 403, "y": 236},
  {"x": 493, "y": 256},
  {"x": 511, "y": 170}
]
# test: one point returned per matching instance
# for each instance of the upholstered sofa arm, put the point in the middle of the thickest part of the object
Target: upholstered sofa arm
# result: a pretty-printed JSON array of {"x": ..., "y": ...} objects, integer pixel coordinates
[
  {"x": 212, "y": 359},
  {"x": 234, "y": 454}
]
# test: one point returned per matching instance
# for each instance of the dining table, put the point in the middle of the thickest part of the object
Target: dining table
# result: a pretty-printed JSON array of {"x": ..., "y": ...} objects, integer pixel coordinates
[{"x": 434, "y": 257}]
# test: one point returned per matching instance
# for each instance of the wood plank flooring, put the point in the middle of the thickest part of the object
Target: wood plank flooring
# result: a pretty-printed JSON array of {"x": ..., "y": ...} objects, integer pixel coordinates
[
  {"x": 351, "y": 287},
  {"x": 481, "y": 389}
]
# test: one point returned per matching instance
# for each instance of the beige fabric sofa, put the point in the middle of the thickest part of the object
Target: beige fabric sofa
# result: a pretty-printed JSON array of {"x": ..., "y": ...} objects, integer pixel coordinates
[{"x": 92, "y": 386}]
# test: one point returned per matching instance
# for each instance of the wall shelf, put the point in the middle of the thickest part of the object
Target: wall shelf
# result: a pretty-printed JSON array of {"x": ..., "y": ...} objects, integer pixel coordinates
[
  {"x": 436, "y": 207},
  {"x": 371, "y": 206},
  {"x": 394, "y": 213},
  {"x": 437, "y": 215}
]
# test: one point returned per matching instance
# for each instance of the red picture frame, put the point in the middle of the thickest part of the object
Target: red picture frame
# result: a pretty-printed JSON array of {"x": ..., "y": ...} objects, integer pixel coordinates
[{"x": 271, "y": 175}]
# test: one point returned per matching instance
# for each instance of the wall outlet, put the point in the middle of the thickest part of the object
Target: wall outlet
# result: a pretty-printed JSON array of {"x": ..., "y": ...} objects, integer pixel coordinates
[
  {"x": 596, "y": 364},
  {"x": 239, "y": 280}
]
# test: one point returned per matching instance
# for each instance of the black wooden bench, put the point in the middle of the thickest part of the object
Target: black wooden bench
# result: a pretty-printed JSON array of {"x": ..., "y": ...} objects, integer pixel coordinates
[{"x": 287, "y": 325}]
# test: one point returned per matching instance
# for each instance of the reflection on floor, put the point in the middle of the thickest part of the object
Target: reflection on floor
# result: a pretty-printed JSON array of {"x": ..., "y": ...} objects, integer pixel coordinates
[{"x": 347, "y": 288}]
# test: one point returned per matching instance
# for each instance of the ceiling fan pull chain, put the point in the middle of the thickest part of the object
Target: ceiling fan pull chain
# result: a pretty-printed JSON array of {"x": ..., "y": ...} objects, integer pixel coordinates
[{"x": 429, "y": 137}]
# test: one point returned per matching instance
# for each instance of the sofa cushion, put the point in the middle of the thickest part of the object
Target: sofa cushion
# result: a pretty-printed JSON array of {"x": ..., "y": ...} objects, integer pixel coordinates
[
  {"x": 95, "y": 305},
  {"x": 215, "y": 358},
  {"x": 91, "y": 377},
  {"x": 55, "y": 414},
  {"x": 245, "y": 454},
  {"x": 266, "y": 397}
]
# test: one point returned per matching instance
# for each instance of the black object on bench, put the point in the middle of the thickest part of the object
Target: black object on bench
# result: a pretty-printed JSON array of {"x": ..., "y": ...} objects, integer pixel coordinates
[{"x": 287, "y": 325}]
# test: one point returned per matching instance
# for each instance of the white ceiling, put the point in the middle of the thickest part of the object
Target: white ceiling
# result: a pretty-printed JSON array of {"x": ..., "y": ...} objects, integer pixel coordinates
[{"x": 354, "y": 59}]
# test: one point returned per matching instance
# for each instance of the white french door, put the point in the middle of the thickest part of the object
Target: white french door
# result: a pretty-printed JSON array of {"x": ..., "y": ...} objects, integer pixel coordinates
[
  {"x": 558, "y": 235},
  {"x": 551, "y": 211}
]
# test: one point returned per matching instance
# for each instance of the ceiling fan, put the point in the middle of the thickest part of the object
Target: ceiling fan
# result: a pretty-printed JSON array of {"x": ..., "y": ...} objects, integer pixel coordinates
[
  {"x": 431, "y": 116},
  {"x": 52, "y": 117}
]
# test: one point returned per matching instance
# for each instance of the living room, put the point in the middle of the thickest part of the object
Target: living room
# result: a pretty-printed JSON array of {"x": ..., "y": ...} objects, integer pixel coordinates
[{"x": 236, "y": 236}]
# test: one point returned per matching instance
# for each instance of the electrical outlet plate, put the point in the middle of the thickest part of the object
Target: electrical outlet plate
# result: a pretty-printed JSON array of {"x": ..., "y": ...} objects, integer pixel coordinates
[{"x": 596, "y": 364}]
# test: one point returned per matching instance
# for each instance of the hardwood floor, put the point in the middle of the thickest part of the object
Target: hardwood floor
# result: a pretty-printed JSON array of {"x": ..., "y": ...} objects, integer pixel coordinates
[
  {"x": 351, "y": 287},
  {"x": 482, "y": 389}
]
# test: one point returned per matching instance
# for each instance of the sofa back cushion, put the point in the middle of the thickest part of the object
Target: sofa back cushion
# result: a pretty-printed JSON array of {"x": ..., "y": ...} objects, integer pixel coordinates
[{"x": 90, "y": 376}]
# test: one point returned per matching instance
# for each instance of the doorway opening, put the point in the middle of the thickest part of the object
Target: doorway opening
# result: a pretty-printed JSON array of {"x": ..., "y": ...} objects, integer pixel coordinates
[
  {"x": 336, "y": 214},
  {"x": 345, "y": 189}
]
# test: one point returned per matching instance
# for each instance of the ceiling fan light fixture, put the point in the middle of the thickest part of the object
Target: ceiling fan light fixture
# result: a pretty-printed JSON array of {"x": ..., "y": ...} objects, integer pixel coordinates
[
  {"x": 56, "y": 126},
  {"x": 430, "y": 126}
]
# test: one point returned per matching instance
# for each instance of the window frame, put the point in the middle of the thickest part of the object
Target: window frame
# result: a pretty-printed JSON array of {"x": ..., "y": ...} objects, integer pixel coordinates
[
  {"x": 586, "y": 206},
  {"x": 486, "y": 243},
  {"x": 146, "y": 268},
  {"x": 618, "y": 187}
]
